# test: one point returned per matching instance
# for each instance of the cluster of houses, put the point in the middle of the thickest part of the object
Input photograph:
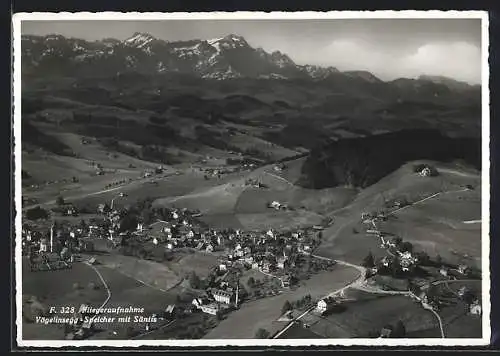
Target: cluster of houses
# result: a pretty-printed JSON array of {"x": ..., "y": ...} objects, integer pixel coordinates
[
  {"x": 217, "y": 300},
  {"x": 268, "y": 250}
]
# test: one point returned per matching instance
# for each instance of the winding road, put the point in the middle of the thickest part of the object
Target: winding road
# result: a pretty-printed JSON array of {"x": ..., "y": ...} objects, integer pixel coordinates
[
  {"x": 357, "y": 282},
  {"x": 103, "y": 282}
]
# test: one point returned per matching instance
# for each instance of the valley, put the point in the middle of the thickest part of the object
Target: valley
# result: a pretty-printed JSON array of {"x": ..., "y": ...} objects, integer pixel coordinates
[{"x": 190, "y": 166}]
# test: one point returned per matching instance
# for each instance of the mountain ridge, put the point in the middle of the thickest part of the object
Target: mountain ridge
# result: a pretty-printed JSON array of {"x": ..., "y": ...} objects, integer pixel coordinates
[{"x": 221, "y": 58}]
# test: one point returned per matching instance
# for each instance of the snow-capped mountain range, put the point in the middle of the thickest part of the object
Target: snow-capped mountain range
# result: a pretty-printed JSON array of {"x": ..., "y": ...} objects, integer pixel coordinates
[{"x": 220, "y": 58}]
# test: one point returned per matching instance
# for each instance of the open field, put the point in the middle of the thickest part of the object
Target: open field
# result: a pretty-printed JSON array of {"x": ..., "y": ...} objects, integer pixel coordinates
[
  {"x": 60, "y": 288},
  {"x": 299, "y": 332},
  {"x": 152, "y": 273},
  {"x": 198, "y": 262},
  {"x": 361, "y": 317},
  {"x": 279, "y": 220},
  {"x": 56, "y": 288},
  {"x": 263, "y": 313}
]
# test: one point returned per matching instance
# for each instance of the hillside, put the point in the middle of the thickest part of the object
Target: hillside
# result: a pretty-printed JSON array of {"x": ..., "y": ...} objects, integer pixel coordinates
[{"x": 361, "y": 162}]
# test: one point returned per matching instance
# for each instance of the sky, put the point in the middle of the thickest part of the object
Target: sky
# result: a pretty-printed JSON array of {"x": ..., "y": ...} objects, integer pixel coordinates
[{"x": 389, "y": 48}]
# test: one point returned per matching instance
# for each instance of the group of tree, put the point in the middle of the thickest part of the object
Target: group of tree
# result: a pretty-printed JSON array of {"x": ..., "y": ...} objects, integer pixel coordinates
[
  {"x": 304, "y": 301},
  {"x": 398, "y": 330},
  {"x": 286, "y": 307},
  {"x": 368, "y": 261},
  {"x": 60, "y": 200},
  {"x": 262, "y": 334},
  {"x": 194, "y": 281},
  {"x": 37, "y": 213}
]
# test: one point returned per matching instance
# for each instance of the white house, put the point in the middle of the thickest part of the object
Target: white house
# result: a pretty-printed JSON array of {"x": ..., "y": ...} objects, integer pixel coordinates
[
  {"x": 197, "y": 302},
  {"x": 282, "y": 261},
  {"x": 43, "y": 245},
  {"x": 325, "y": 304},
  {"x": 222, "y": 267},
  {"x": 211, "y": 309},
  {"x": 426, "y": 172},
  {"x": 175, "y": 215},
  {"x": 239, "y": 253},
  {"x": 270, "y": 233},
  {"x": 222, "y": 296},
  {"x": 475, "y": 308},
  {"x": 275, "y": 204}
]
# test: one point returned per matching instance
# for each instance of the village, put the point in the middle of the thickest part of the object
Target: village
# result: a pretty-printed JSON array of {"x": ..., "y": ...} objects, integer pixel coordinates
[{"x": 281, "y": 257}]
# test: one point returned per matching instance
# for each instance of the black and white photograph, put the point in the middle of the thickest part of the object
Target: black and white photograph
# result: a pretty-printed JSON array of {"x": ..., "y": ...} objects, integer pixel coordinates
[{"x": 252, "y": 179}]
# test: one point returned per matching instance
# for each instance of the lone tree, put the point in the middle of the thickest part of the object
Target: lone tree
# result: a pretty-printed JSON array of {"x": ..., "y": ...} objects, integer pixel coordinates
[
  {"x": 36, "y": 213},
  {"x": 399, "y": 329},
  {"x": 286, "y": 307},
  {"x": 439, "y": 260},
  {"x": 369, "y": 261},
  {"x": 60, "y": 200},
  {"x": 406, "y": 247},
  {"x": 194, "y": 280},
  {"x": 251, "y": 282},
  {"x": 262, "y": 334}
]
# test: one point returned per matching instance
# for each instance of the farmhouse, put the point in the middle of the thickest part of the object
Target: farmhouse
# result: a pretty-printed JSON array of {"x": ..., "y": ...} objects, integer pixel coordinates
[
  {"x": 463, "y": 269},
  {"x": 222, "y": 296},
  {"x": 275, "y": 205},
  {"x": 325, "y": 304},
  {"x": 211, "y": 308},
  {"x": 475, "y": 308},
  {"x": 426, "y": 172},
  {"x": 43, "y": 245}
]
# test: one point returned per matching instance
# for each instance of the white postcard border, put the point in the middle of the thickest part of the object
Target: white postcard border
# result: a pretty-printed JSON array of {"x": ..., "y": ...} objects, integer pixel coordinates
[{"x": 138, "y": 16}]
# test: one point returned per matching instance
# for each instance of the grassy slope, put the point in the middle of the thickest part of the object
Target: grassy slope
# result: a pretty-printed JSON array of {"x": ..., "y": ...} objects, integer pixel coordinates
[{"x": 342, "y": 241}]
